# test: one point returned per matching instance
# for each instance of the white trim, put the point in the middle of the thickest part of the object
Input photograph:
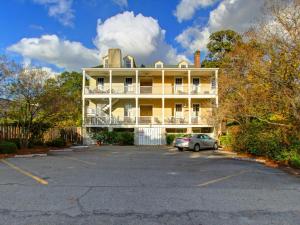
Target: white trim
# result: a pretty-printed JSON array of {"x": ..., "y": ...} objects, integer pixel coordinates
[{"x": 178, "y": 85}]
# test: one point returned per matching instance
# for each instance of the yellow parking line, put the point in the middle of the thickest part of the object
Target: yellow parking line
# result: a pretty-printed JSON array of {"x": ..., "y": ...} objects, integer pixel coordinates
[
  {"x": 79, "y": 160},
  {"x": 39, "y": 180},
  {"x": 222, "y": 178}
]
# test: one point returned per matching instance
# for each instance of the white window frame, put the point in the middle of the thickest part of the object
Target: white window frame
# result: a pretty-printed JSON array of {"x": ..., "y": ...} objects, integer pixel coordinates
[
  {"x": 105, "y": 63},
  {"x": 199, "y": 112},
  {"x": 128, "y": 110}
]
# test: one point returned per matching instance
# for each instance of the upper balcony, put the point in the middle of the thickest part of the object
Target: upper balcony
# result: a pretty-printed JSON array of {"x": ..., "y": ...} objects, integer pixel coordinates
[{"x": 183, "y": 82}]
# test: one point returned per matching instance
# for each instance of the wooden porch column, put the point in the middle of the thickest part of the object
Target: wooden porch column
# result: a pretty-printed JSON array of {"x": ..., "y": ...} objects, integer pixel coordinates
[
  {"x": 190, "y": 111},
  {"x": 136, "y": 81},
  {"x": 189, "y": 82},
  {"x": 136, "y": 111},
  {"x": 110, "y": 81}
]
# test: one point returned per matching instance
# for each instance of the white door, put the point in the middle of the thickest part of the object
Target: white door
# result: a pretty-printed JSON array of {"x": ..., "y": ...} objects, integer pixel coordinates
[
  {"x": 196, "y": 84},
  {"x": 128, "y": 84},
  {"x": 196, "y": 113},
  {"x": 178, "y": 111},
  {"x": 100, "y": 83},
  {"x": 150, "y": 136},
  {"x": 178, "y": 88}
]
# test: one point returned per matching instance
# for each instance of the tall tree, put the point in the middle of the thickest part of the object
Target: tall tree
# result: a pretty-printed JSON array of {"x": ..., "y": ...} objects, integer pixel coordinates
[{"x": 220, "y": 43}]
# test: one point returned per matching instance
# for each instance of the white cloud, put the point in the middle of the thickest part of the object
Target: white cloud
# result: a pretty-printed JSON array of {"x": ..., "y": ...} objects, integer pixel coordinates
[
  {"x": 187, "y": 8},
  {"x": 136, "y": 35},
  {"x": 121, "y": 3},
  {"x": 52, "y": 50},
  {"x": 238, "y": 15},
  {"x": 59, "y": 9}
]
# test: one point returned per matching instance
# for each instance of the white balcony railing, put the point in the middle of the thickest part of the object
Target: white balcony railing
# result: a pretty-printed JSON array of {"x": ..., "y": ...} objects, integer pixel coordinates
[
  {"x": 155, "y": 89},
  {"x": 146, "y": 120}
]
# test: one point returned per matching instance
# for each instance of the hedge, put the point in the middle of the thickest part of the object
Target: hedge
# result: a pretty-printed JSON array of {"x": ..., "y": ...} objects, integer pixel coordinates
[
  {"x": 7, "y": 147},
  {"x": 113, "y": 137}
]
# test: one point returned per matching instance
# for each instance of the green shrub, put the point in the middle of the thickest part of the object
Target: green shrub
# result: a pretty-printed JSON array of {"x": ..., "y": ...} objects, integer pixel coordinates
[
  {"x": 126, "y": 138},
  {"x": 295, "y": 161},
  {"x": 226, "y": 140},
  {"x": 113, "y": 137},
  {"x": 58, "y": 142},
  {"x": 16, "y": 141},
  {"x": 7, "y": 147},
  {"x": 170, "y": 138}
]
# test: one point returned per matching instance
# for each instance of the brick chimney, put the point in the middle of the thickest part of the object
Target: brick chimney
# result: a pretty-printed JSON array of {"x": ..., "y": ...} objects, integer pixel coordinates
[{"x": 197, "y": 61}]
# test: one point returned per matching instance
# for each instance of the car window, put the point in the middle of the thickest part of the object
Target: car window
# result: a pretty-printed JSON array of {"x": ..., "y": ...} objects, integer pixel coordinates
[
  {"x": 200, "y": 136},
  {"x": 206, "y": 137}
]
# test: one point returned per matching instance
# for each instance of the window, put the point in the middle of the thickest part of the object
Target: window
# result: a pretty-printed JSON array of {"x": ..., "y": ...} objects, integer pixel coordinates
[
  {"x": 128, "y": 88},
  {"x": 213, "y": 83},
  {"x": 128, "y": 81},
  {"x": 159, "y": 64},
  {"x": 178, "y": 81},
  {"x": 183, "y": 66},
  {"x": 196, "y": 84},
  {"x": 127, "y": 62}
]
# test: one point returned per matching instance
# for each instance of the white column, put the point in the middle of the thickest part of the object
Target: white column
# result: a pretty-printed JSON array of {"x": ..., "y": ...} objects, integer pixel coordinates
[
  {"x": 110, "y": 81},
  {"x": 110, "y": 115},
  {"x": 163, "y": 110},
  {"x": 136, "y": 111},
  {"x": 163, "y": 81},
  {"x": 217, "y": 87},
  {"x": 83, "y": 99},
  {"x": 189, "y": 82},
  {"x": 136, "y": 81},
  {"x": 190, "y": 111}
]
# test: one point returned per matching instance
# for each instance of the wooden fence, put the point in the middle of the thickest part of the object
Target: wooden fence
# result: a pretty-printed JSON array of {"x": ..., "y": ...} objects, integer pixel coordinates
[{"x": 69, "y": 134}]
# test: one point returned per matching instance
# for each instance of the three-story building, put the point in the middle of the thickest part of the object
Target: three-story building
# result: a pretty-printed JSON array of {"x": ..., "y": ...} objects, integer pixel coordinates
[{"x": 149, "y": 100}]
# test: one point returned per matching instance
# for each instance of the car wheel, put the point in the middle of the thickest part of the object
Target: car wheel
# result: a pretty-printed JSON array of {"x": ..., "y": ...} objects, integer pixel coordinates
[
  {"x": 216, "y": 146},
  {"x": 197, "y": 147},
  {"x": 180, "y": 149}
]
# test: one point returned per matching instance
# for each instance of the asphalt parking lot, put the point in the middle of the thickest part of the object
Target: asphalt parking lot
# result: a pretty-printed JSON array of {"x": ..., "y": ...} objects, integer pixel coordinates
[{"x": 145, "y": 186}]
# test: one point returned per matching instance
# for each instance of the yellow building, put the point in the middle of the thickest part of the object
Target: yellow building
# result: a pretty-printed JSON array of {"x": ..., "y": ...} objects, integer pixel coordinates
[{"x": 152, "y": 100}]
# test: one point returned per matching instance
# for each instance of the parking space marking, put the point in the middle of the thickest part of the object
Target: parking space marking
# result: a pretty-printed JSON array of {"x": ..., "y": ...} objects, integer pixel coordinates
[
  {"x": 79, "y": 160},
  {"x": 39, "y": 180},
  {"x": 222, "y": 178}
]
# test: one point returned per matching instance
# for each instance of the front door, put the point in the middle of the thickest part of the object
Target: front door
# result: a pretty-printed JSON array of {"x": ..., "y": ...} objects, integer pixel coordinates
[
  {"x": 196, "y": 113},
  {"x": 178, "y": 88},
  {"x": 100, "y": 83},
  {"x": 146, "y": 113},
  {"x": 128, "y": 88},
  {"x": 196, "y": 84},
  {"x": 146, "y": 85},
  {"x": 178, "y": 111}
]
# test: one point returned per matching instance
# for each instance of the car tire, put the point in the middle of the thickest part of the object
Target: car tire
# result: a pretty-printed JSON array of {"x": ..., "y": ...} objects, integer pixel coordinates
[
  {"x": 180, "y": 149},
  {"x": 197, "y": 147},
  {"x": 216, "y": 146}
]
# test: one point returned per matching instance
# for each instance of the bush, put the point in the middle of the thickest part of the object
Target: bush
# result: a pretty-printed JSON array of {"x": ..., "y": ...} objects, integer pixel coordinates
[
  {"x": 295, "y": 161},
  {"x": 16, "y": 141},
  {"x": 112, "y": 137},
  {"x": 7, "y": 147},
  {"x": 226, "y": 141},
  {"x": 58, "y": 142}
]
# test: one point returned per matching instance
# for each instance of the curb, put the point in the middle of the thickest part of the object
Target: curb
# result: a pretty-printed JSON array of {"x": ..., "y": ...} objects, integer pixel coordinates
[
  {"x": 61, "y": 150},
  {"x": 30, "y": 155}
]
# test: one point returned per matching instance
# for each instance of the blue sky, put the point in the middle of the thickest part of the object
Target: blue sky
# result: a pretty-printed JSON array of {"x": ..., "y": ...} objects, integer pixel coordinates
[{"x": 70, "y": 34}]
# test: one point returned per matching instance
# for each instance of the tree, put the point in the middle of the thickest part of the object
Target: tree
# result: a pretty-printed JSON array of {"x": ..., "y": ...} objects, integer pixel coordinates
[
  {"x": 259, "y": 81},
  {"x": 220, "y": 43},
  {"x": 62, "y": 99},
  {"x": 26, "y": 90}
]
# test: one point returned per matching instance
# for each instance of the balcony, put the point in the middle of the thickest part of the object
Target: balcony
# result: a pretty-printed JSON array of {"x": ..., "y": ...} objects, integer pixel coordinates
[
  {"x": 146, "y": 120},
  {"x": 148, "y": 90}
]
